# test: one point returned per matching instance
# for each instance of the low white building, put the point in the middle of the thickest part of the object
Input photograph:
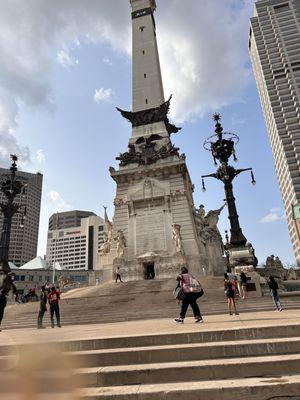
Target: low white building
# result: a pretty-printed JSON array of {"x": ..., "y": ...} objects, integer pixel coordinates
[{"x": 77, "y": 246}]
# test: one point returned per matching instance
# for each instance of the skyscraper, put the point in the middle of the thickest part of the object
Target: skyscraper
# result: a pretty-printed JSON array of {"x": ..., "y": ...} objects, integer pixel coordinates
[
  {"x": 274, "y": 46},
  {"x": 24, "y": 240}
]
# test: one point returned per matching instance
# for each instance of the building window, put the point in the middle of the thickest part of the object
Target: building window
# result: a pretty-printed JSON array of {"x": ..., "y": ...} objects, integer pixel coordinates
[
  {"x": 282, "y": 8},
  {"x": 146, "y": 101},
  {"x": 22, "y": 278},
  {"x": 101, "y": 228},
  {"x": 142, "y": 28},
  {"x": 143, "y": 52},
  {"x": 145, "y": 76}
]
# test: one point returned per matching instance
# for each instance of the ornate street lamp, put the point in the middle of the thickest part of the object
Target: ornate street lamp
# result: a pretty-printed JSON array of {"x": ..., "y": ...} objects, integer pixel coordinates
[
  {"x": 222, "y": 146},
  {"x": 11, "y": 187}
]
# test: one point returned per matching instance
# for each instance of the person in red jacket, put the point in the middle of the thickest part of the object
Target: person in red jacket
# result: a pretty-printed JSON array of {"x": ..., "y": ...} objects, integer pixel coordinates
[{"x": 53, "y": 298}]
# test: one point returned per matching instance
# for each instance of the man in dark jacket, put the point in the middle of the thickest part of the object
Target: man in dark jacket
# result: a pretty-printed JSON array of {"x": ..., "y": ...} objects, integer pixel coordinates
[
  {"x": 43, "y": 307},
  {"x": 6, "y": 285}
]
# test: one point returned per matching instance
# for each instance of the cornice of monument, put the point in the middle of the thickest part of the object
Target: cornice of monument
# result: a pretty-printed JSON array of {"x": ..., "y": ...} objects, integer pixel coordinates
[
  {"x": 150, "y": 170},
  {"x": 138, "y": 5}
]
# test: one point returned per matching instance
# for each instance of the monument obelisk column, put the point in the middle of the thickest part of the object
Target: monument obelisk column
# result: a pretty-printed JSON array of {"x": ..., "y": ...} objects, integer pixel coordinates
[
  {"x": 147, "y": 86},
  {"x": 154, "y": 229}
]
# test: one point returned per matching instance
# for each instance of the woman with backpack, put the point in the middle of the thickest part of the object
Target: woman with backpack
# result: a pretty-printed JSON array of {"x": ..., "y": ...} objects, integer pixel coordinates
[
  {"x": 192, "y": 290},
  {"x": 229, "y": 289},
  {"x": 273, "y": 286}
]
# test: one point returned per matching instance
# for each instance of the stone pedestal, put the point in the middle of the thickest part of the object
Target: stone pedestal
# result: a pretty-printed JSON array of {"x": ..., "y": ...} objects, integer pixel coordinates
[
  {"x": 254, "y": 284},
  {"x": 241, "y": 256}
]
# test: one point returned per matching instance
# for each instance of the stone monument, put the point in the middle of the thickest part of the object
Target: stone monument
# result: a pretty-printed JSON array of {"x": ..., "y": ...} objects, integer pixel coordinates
[{"x": 156, "y": 227}]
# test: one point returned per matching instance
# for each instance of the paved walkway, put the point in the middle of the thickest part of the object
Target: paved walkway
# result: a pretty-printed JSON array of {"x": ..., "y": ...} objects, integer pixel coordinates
[{"x": 149, "y": 327}]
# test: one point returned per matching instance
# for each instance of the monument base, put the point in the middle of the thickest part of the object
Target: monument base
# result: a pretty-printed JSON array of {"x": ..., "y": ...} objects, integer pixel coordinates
[
  {"x": 241, "y": 256},
  {"x": 254, "y": 288}
]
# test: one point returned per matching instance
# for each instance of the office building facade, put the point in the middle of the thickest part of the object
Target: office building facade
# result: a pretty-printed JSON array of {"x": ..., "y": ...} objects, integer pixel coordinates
[
  {"x": 24, "y": 237},
  {"x": 274, "y": 46},
  {"x": 74, "y": 240}
]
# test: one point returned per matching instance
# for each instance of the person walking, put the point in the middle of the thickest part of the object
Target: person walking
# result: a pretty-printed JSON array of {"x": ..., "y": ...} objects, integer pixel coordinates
[
  {"x": 43, "y": 307},
  {"x": 118, "y": 275},
  {"x": 190, "y": 298},
  {"x": 229, "y": 289},
  {"x": 54, "y": 298},
  {"x": 244, "y": 284},
  {"x": 273, "y": 286}
]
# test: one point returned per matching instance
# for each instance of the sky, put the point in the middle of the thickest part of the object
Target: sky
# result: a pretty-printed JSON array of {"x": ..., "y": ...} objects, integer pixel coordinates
[{"x": 65, "y": 66}]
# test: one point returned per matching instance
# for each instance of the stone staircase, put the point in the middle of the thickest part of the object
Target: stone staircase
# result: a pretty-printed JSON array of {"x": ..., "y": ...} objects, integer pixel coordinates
[
  {"x": 253, "y": 363},
  {"x": 132, "y": 301}
]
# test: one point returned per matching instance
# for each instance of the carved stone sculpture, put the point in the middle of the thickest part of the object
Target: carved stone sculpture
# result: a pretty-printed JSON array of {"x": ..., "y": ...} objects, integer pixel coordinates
[
  {"x": 270, "y": 261},
  {"x": 274, "y": 262},
  {"x": 150, "y": 116},
  {"x": 278, "y": 263},
  {"x": 106, "y": 245},
  {"x": 176, "y": 236},
  {"x": 146, "y": 153},
  {"x": 121, "y": 243},
  {"x": 200, "y": 218},
  {"x": 291, "y": 275},
  {"x": 207, "y": 224}
]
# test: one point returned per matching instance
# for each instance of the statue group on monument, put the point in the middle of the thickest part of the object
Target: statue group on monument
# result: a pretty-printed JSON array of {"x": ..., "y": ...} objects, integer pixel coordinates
[
  {"x": 206, "y": 224},
  {"x": 273, "y": 262}
]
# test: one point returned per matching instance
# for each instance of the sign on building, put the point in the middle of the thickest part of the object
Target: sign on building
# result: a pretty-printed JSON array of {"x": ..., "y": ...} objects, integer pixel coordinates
[{"x": 296, "y": 211}]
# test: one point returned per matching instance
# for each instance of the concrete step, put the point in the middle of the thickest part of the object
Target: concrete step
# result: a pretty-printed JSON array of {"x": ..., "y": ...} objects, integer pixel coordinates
[
  {"x": 193, "y": 371},
  {"x": 285, "y": 387},
  {"x": 203, "y": 335},
  {"x": 187, "y": 352}
]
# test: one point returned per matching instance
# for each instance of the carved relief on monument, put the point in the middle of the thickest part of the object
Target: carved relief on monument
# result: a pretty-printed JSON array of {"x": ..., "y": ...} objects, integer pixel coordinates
[
  {"x": 120, "y": 201},
  {"x": 177, "y": 194},
  {"x": 148, "y": 188}
]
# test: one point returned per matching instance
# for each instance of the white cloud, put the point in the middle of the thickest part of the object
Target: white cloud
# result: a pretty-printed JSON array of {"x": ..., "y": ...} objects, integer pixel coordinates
[
  {"x": 55, "y": 202},
  {"x": 31, "y": 31},
  {"x": 103, "y": 95},
  {"x": 65, "y": 59},
  {"x": 40, "y": 156},
  {"x": 274, "y": 215},
  {"x": 275, "y": 209},
  {"x": 204, "y": 54},
  {"x": 52, "y": 202},
  {"x": 203, "y": 50},
  {"x": 107, "y": 61}
]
